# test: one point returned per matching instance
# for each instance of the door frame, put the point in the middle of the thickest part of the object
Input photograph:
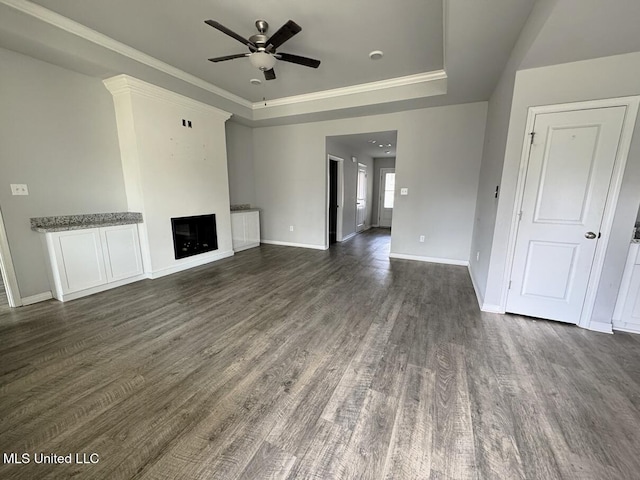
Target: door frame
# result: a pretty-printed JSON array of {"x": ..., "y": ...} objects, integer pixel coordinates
[
  {"x": 366, "y": 173},
  {"x": 383, "y": 170},
  {"x": 340, "y": 199},
  {"x": 6, "y": 269},
  {"x": 611, "y": 202}
]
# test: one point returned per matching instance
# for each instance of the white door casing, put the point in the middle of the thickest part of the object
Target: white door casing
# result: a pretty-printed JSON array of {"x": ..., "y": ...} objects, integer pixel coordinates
[
  {"x": 385, "y": 214},
  {"x": 568, "y": 179},
  {"x": 361, "y": 198},
  {"x": 6, "y": 269}
]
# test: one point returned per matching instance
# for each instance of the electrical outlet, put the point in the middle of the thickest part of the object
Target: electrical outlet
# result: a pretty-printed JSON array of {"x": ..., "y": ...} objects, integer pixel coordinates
[
  {"x": 19, "y": 189},
  {"x": 404, "y": 191},
  {"x": 291, "y": 228},
  {"x": 477, "y": 256},
  {"x": 421, "y": 238}
]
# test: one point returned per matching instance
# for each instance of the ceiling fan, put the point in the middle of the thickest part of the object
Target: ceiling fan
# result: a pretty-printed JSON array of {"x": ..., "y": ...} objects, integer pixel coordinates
[{"x": 262, "y": 49}]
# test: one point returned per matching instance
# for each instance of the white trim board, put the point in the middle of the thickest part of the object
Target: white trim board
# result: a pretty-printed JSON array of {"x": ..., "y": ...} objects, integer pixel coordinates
[
  {"x": 7, "y": 270},
  {"x": 39, "y": 297},
  {"x": 292, "y": 244},
  {"x": 191, "y": 263},
  {"x": 419, "y": 258},
  {"x": 349, "y": 237},
  {"x": 632, "y": 104}
]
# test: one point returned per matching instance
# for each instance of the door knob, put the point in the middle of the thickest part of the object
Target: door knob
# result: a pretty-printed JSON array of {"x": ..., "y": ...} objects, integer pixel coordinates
[{"x": 590, "y": 235}]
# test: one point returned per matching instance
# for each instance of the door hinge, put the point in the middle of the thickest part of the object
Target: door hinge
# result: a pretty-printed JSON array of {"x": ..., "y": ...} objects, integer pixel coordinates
[
  {"x": 509, "y": 285},
  {"x": 520, "y": 215},
  {"x": 533, "y": 134}
]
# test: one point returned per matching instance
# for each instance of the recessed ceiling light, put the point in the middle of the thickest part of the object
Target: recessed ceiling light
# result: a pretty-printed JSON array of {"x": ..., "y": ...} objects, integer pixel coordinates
[
  {"x": 381, "y": 145},
  {"x": 376, "y": 55},
  {"x": 255, "y": 81},
  {"x": 388, "y": 144},
  {"x": 387, "y": 151}
]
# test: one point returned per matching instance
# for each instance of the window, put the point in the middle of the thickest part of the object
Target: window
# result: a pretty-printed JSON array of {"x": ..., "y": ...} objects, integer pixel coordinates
[{"x": 389, "y": 189}]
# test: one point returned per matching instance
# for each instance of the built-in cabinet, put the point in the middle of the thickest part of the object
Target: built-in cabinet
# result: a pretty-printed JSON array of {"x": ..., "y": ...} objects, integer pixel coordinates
[
  {"x": 627, "y": 313},
  {"x": 91, "y": 260},
  {"x": 245, "y": 229}
]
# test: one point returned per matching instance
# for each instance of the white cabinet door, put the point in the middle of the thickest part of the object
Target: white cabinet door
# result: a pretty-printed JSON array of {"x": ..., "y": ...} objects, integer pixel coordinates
[
  {"x": 238, "y": 235},
  {"x": 631, "y": 311},
  {"x": 252, "y": 228},
  {"x": 121, "y": 248},
  {"x": 79, "y": 259}
]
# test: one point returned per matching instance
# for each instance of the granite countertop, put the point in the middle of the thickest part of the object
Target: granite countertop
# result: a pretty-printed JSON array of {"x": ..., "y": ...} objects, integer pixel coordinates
[
  {"x": 243, "y": 207},
  {"x": 79, "y": 222}
]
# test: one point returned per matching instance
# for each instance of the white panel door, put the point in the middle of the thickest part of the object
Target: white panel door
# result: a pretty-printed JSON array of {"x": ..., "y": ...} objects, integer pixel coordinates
[
  {"x": 80, "y": 259},
  {"x": 570, "y": 166},
  {"x": 387, "y": 192},
  {"x": 121, "y": 247},
  {"x": 361, "y": 198}
]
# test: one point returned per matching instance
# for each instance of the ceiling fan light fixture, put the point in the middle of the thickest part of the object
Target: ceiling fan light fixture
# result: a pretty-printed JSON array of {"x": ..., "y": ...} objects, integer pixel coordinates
[{"x": 262, "y": 60}]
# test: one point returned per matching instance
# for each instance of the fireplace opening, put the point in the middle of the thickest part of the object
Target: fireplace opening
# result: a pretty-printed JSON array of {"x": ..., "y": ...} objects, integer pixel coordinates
[{"x": 194, "y": 235}]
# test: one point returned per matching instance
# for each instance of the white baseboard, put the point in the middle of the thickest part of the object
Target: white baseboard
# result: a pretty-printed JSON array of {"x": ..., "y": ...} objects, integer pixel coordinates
[
  {"x": 601, "y": 327},
  {"x": 246, "y": 247},
  {"x": 100, "y": 288},
  {"x": 418, "y": 258},
  {"x": 348, "y": 237},
  {"x": 626, "y": 329},
  {"x": 291, "y": 244},
  {"x": 195, "y": 262},
  {"x": 489, "y": 308},
  {"x": 475, "y": 288},
  {"x": 40, "y": 297}
]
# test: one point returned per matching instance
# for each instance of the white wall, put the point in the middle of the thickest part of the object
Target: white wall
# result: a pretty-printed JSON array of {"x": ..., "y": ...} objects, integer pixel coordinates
[
  {"x": 438, "y": 159},
  {"x": 169, "y": 170},
  {"x": 58, "y": 135},
  {"x": 607, "y": 77},
  {"x": 495, "y": 142},
  {"x": 242, "y": 187},
  {"x": 378, "y": 164}
]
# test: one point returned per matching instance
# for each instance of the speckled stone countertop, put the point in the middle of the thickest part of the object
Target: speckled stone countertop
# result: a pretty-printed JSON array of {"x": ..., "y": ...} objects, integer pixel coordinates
[
  {"x": 243, "y": 207},
  {"x": 78, "y": 222}
]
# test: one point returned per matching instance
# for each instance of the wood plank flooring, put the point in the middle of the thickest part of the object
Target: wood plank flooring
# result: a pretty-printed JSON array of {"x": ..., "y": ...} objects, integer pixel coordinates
[{"x": 286, "y": 363}]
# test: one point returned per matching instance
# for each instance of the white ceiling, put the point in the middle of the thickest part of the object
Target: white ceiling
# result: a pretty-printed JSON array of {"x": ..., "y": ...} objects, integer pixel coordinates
[
  {"x": 166, "y": 43},
  {"x": 362, "y": 143},
  {"x": 339, "y": 33}
]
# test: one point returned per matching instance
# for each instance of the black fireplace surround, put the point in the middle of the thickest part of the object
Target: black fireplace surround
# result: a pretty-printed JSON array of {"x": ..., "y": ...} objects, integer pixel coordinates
[{"x": 194, "y": 235}]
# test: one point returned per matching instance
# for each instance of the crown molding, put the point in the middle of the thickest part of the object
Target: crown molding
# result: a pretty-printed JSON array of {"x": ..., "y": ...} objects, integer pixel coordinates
[
  {"x": 354, "y": 89},
  {"x": 125, "y": 84},
  {"x": 97, "y": 38}
]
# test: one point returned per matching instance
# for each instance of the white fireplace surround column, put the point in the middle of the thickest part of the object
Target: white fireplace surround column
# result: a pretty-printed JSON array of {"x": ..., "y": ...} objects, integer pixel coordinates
[{"x": 174, "y": 163}]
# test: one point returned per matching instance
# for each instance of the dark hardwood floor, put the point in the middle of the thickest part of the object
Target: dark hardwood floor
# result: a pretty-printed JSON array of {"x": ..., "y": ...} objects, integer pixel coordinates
[{"x": 292, "y": 363}]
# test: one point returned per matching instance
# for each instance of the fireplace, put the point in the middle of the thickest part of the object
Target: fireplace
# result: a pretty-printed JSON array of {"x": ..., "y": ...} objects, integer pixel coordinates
[{"x": 194, "y": 235}]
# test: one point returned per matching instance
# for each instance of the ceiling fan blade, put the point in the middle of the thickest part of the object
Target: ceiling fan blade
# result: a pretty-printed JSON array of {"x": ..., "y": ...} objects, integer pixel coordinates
[
  {"x": 270, "y": 74},
  {"x": 229, "y": 57},
  {"x": 307, "y": 62},
  {"x": 231, "y": 33},
  {"x": 286, "y": 31}
]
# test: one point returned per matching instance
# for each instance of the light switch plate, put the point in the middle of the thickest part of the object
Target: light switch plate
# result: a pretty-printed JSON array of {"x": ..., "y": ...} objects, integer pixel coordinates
[
  {"x": 19, "y": 189},
  {"x": 404, "y": 191}
]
